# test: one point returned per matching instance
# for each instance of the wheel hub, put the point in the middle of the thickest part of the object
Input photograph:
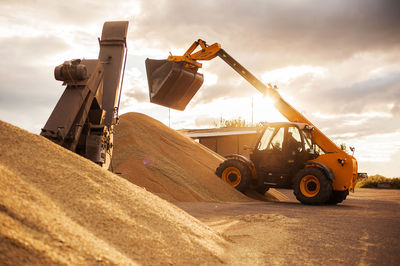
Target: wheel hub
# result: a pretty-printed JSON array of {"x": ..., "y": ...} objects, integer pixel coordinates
[
  {"x": 232, "y": 176},
  {"x": 309, "y": 186}
]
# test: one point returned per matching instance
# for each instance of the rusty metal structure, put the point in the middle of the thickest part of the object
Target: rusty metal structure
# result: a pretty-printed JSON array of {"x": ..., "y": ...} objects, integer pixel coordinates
[{"x": 84, "y": 117}]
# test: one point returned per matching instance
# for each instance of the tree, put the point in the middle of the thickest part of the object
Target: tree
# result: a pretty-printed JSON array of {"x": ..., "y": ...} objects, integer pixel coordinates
[{"x": 232, "y": 123}]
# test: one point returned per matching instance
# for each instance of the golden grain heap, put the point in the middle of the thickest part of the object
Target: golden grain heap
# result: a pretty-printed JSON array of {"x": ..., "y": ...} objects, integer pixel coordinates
[
  {"x": 172, "y": 166},
  {"x": 57, "y": 207}
]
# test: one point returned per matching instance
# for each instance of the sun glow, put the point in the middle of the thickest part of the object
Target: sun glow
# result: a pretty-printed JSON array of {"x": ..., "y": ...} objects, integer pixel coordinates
[
  {"x": 251, "y": 109},
  {"x": 211, "y": 79},
  {"x": 264, "y": 110}
]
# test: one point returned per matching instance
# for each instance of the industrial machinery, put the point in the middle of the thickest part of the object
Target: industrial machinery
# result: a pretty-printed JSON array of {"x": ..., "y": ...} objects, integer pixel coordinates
[
  {"x": 293, "y": 154},
  {"x": 84, "y": 117}
]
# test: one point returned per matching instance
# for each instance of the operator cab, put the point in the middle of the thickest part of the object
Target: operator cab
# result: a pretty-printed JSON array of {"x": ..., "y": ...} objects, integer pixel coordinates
[{"x": 281, "y": 151}]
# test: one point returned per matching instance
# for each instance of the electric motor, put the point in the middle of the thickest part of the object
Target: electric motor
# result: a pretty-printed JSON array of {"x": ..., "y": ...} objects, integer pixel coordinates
[{"x": 71, "y": 71}]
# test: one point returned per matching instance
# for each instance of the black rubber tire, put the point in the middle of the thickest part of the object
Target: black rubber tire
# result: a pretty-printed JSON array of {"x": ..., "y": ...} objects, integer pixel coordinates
[
  {"x": 338, "y": 197},
  {"x": 241, "y": 167},
  {"x": 262, "y": 189},
  {"x": 325, "y": 186}
]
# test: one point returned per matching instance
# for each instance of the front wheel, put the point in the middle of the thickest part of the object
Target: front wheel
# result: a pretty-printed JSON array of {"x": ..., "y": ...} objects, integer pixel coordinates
[
  {"x": 338, "y": 197},
  {"x": 235, "y": 173},
  {"x": 311, "y": 186}
]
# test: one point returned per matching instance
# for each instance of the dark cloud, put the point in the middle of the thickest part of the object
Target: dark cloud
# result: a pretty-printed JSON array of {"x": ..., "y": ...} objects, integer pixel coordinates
[
  {"x": 271, "y": 34},
  {"x": 345, "y": 128},
  {"x": 69, "y": 13},
  {"x": 30, "y": 50},
  {"x": 350, "y": 110},
  {"x": 266, "y": 35},
  {"x": 373, "y": 94},
  {"x": 26, "y": 80}
]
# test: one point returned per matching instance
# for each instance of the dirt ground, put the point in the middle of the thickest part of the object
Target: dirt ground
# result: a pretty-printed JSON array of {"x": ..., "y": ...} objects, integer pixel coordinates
[{"x": 364, "y": 230}]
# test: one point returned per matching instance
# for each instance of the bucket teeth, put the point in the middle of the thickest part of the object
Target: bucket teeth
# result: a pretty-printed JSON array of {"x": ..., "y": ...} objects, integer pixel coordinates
[{"x": 171, "y": 84}]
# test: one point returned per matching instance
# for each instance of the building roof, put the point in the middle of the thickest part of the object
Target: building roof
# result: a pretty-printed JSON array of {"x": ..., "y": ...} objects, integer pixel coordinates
[
  {"x": 234, "y": 131},
  {"x": 282, "y": 124}
]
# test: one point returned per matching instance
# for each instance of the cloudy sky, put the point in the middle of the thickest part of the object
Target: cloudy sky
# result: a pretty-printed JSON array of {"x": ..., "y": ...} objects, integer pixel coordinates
[{"x": 338, "y": 62}]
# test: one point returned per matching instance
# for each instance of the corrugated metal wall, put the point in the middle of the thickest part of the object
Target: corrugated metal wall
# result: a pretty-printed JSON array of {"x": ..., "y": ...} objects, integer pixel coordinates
[{"x": 233, "y": 144}]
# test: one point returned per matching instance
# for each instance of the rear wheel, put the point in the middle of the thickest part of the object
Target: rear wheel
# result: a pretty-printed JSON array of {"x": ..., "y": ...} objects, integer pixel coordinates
[
  {"x": 311, "y": 186},
  {"x": 235, "y": 173}
]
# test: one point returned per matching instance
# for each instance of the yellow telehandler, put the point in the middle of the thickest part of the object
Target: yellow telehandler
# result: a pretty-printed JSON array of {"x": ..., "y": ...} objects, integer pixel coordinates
[{"x": 292, "y": 154}]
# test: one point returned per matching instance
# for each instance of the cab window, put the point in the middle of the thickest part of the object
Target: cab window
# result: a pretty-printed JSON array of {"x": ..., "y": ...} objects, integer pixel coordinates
[
  {"x": 309, "y": 145},
  {"x": 277, "y": 140},
  {"x": 294, "y": 140},
  {"x": 266, "y": 137}
]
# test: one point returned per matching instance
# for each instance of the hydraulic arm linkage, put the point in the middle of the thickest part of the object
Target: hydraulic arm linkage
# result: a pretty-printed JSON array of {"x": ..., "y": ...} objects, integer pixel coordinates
[
  {"x": 210, "y": 52},
  {"x": 343, "y": 165}
]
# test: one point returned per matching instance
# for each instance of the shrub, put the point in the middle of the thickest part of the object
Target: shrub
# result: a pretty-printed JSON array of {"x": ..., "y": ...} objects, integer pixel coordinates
[
  {"x": 373, "y": 181},
  {"x": 232, "y": 123}
]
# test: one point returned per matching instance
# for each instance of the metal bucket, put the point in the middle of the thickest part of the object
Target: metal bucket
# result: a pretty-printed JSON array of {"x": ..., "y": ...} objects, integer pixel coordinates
[{"x": 171, "y": 84}]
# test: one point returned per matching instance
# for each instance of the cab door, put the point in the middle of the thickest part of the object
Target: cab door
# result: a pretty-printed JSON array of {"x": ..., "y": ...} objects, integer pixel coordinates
[
  {"x": 268, "y": 157},
  {"x": 295, "y": 154}
]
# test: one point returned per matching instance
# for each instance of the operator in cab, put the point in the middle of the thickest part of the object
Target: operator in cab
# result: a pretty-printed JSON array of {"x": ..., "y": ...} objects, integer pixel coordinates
[{"x": 293, "y": 146}]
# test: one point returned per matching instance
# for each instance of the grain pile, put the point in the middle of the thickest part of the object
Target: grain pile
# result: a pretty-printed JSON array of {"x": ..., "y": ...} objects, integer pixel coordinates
[
  {"x": 59, "y": 208},
  {"x": 172, "y": 166}
]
